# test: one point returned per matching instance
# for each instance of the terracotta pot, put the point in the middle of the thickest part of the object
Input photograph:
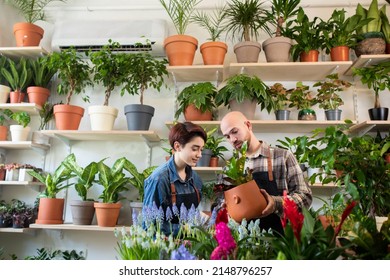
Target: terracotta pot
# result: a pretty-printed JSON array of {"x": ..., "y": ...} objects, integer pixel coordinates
[
  {"x": 27, "y": 34},
  {"x": 311, "y": 56},
  {"x": 245, "y": 201},
  {"x": 247, "y": 51},
  {"x": 180, "y": 49},
  {"x": 326, "y": 221},
  {"x": 214, "y": 161},
  {"x": 340, "y": 53},
  {"x": 3, "y": 133},
  {"x": 50, "y": 211},
  {"x": 213, "y": 53},
  {"x": 68, "y": 117},
  {"x": 107, "y": 213},
  {"x": 16, "y": 97},
  {"x": 277, "y": 49},
  {"x": 191, "y": 113},
  {"x": 38, "y": 95}
]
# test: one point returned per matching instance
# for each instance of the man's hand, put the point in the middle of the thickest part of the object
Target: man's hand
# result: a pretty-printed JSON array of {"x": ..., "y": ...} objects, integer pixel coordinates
[{"x": 270, "y": 204}]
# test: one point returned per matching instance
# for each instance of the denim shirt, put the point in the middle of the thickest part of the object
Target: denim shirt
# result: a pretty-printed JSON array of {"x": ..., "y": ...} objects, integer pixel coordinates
[{"x": 158, "y": 187}]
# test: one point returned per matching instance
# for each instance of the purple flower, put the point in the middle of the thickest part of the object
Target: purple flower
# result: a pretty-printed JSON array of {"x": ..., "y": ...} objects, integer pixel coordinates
[
  {"x": 175, "y": 210},
  {"x": 168, "y": 214},
  {"x": 182, "y": 254},
  {"x": 183, "y": 213}
]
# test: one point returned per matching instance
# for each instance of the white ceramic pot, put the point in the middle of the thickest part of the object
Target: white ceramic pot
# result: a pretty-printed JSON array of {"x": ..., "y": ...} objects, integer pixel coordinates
[
  {"x": 102, "y": 117},
  {"x": 4, "y": 93},
  {"x": 19, "y": 133}
]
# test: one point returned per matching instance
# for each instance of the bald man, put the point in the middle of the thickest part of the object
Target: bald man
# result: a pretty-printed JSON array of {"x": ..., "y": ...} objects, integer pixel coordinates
[{"x": 274, "y": 169}]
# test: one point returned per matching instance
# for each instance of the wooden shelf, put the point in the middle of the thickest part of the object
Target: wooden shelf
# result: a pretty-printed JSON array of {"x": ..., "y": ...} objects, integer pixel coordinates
[
  {"x": 321, "y": 186},
  {"x": 196, "y": 73},
  {"x": 207, "y": 170},
  {"x": 17, "y": 230},
  {"x": 367, "y": 60},
  {"x": 273, "y": 126},
  {"x": 20, "y": 183},
  {"x": 291, "y": 71},
  {"x": 77, "y": 227},
  {"x": 30, "y": 108},
  {"x": 112, "y": 135},
  {"x": 23, "y": 145},
  {"x": 370, "y": 126},
  {"x": 28, "y": 52}
]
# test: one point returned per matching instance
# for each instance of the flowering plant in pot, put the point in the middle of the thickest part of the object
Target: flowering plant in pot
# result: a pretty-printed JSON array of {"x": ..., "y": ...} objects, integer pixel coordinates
[
  {"x": 242, "y": 93},
  {"x": 197, "y": 102},
  {"x": 27, "y": 33},
  {"x": 328, "y": 97},
  {"x": 376, "y": 77},
  {"x": 180, "y": 48},
  {"x": 243, "y": 197},
  {"x": 18, "y": 76},
  {"x": 277, "y": 49},
  {"x": 214, "y": 51},
  {"x": 280, "y": 96},
  {"x": 145, "y": 72},
  {"x": 74, "y": 75},
  {"x": 302, "y": 98},
  {"x": 110, "y": 69},
  {"x": 38, "y": 91},
  {"x": 244, "y": 20}
]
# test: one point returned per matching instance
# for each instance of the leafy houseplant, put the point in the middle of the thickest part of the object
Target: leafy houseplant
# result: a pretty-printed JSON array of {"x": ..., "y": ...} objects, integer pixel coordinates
[
  {"x": 327, "y": 96},
  {"x": 180, "y": 12},
  {"x": 244, "y": 19},
  {"x": 301, "y": 97},
  {"x": 213, "y": 143},
  {"x": 138, "y": 178},
  {"x": 241, "y": 88},
  {"x": 32, "y": 11},
  {"x": 213, "y": 52},
  {"x": 197, "y": 98},
  {"x": 146, "y": 72},
  {"x": 18, "y": 76},
  {"x": 19, "y": 132},
  {"x": 280, "y": 96},
  {"x": 307, "y": 35},
  {"x": 376, "y": 77},
  {"x": 73, "y": 73},
  {"x": 21, "y": 118}
]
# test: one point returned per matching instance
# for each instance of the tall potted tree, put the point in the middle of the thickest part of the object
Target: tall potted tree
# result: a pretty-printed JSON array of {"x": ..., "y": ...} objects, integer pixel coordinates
[
  {"x": 146, "y": 72},
  {"x": 28, "y": 33},
  {"x": 244, "y": 20},
  {"x": 214, "y": 51},
  {"x": 110, "y": 69},
  {"x": 180, "y": 48},
  {"x": 73, "y": 73},
  {"x": 277, "y": 49}
]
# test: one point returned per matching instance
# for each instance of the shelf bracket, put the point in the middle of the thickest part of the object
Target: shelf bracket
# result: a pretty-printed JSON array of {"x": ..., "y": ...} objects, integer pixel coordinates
[
  {"x": 218, "y": 76},
  {"x": 335, "y": 69},
  {"x": 242, "y": 70},
  {"x": 367, "y": 63}
]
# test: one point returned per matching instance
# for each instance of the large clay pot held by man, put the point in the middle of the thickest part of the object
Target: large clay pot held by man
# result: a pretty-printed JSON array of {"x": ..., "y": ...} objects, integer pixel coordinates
[{"x": 245, "y": 201}]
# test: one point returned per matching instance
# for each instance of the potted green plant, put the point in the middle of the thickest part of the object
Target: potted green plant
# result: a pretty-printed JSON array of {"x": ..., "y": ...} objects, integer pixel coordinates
[
  {"x": 180, "y": 48},
  {"x": 376, "y": 77},
  {"x": 18, "y": 76},
  {"x": 244, "y": 20},
  {"x": 372, "y": 40},
  {"x": 214, "y": 144},
  {"x": 146, "y": 72},
  {"x": 137, "y": 181},
  {"x": 114, "y": 181},
  {"x": 214, "y": 51},
  {"x": 27, "y": 33},
  {"x": 38, "y": 92},
  {"x": 340, "y": 34},
  {"x": 83, "y": 210},
  {"x": 280, "y": 96},
  {"x": 5, "y": 214},
  {"x": 196, "y": 102},
  {"x": 4, "y": 88},
  {"x": 21, "y": 130},
  {"x": 328, "y": 96},
  {"x": 277, "y": 47},
  {"x": 51, "y": 208},
  {"x": 74, "y": 75},
  {"x": 308, "y": 38},
  {"x": 302, "y": 98},
  {"x": 110, "y": 69},
  {"x": 386, "y": 29},
  {"x": 3, "y": 127},
  {"x": 242, "y": 93},
  {"x": 243, "y": 197}
]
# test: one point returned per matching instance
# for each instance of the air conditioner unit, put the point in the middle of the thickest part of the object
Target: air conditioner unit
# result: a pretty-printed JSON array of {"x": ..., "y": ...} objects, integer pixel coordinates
[{"x": 132, "y": 35}]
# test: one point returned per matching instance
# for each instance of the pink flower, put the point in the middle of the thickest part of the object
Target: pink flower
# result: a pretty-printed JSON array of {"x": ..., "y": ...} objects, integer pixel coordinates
[{"x": 226, "y": 242}]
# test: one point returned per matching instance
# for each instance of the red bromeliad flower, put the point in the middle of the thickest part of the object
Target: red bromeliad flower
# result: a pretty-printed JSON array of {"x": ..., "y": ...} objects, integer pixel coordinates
[
  {"x": 345, "y": 214},
  {"x": 292, "y": 213},
  {"x": 226, "y": 242}
]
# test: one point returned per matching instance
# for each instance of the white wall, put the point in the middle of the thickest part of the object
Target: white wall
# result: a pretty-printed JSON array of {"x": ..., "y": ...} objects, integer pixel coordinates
[{"x": 101, "y": 245}]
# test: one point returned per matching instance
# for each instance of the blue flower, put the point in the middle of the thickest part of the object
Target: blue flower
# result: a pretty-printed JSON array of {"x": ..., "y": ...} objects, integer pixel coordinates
[
  {"x": 168, "y": 214},
  {"x": 182, "y": 254}
]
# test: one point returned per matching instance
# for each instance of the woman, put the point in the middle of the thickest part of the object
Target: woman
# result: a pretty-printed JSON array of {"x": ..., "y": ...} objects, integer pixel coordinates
[{"x": 175, "y": 183}]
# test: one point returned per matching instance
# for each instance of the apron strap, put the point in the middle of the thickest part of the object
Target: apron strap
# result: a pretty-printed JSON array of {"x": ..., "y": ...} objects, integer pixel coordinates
[
  {"x": 173, "y": 193},
  {"x": 269, "y": 165}
]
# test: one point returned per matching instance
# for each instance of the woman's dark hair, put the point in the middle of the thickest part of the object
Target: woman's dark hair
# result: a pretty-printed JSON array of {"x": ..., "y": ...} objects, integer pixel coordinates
[{"x": 184, "y": 132}]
